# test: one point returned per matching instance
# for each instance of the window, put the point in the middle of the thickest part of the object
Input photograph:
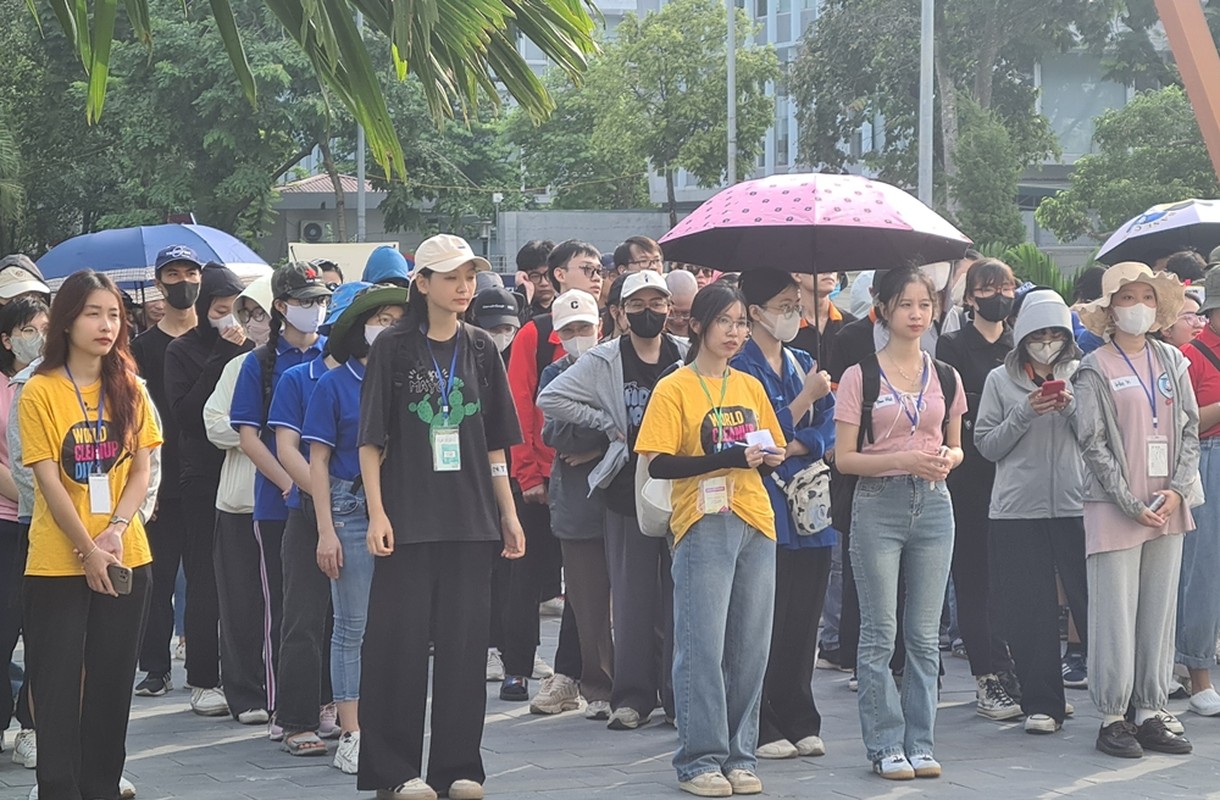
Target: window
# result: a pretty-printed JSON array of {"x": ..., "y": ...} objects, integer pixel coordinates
[{"x": 1073, "y": 92}]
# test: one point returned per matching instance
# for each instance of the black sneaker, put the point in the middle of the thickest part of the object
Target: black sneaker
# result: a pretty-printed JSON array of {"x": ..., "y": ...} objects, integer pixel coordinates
[
  {"x": 1075, "y": 670},
  {"x": 1008, "y": 680},
  {"x": 1118, "y": 739},
  {"x": 515, "y": 689},
  {"x": 1153, "y": 735},
  {"x": 154, "y": 686}
]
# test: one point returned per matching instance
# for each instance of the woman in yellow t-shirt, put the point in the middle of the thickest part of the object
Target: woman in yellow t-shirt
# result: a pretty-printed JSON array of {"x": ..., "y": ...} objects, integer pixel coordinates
[
  {"x": 87, "y": 433},
  {"x": 702, "y": 430}
]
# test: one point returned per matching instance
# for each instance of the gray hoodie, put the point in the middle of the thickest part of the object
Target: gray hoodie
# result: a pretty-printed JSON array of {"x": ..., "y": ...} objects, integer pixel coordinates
[
  {"x": 1101, "y": 440},
  {"x": 590, "y": 395},
  {"x": 575, "y": 514},
  {"x": 1039, "y": 469}
]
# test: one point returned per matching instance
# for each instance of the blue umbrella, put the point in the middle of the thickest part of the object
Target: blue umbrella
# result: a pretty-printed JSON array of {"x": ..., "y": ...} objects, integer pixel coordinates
[
  {"x": 1163, "y": 229},
  {"x": 127, "y": 254}
]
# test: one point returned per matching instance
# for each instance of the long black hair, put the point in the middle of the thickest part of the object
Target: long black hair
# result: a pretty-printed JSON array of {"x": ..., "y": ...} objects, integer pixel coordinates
[
  {"x": 891, "y": 286},
  {"x": 417, "y": 301},
  {"x": 710, "y": 303},
  {"x": 14, "y": 315}
]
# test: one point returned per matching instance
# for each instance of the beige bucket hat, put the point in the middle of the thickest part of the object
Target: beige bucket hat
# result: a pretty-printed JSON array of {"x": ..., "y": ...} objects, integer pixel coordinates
[{"x": 1170, "y": 296}]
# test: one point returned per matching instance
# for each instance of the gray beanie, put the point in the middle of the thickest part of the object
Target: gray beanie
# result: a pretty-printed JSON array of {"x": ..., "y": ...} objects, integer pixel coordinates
[{"x": 1041, "y": 308}]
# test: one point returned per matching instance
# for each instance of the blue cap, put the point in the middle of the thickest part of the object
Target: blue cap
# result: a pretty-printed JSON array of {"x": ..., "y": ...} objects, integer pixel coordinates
[
  {"x": 386, "y": 263},
  {"x": 344, "y": 294},
  {"x": 176, "y": 252}
]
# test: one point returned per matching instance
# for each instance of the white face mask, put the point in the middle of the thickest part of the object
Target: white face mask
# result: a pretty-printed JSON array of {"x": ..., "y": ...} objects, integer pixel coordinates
[
  {"x": 503, "y": 340},
  {"x": 577, "y": 346},
  {"x": 1044, "y": 352},
  {"x": 305, "y": 320},
  {"x": 1134, "y": 320},
  {"x": 227, "y": 321},
  {"x": 782, "y": 326},
  {"x": 371, "y": 332},
  {"x": 27, "y": 349}
]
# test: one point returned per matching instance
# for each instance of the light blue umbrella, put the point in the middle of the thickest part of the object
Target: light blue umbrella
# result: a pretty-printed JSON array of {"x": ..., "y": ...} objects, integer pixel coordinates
[{"x": 1163, "y": 229}]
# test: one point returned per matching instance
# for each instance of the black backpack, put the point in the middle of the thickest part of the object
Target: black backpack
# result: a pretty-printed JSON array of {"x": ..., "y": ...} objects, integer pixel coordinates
[
  {"x": 870, "y": 372},
  {"x": 545, "y": 352}
]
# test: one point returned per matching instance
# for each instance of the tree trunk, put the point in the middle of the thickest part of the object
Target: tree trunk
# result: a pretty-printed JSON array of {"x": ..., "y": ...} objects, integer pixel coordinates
[
  {"x": 988, "y": 55},
  {"x": 948, "y": 129},
  {"x": 671, "y": 197},
  {"x": 328, "y": 164}
]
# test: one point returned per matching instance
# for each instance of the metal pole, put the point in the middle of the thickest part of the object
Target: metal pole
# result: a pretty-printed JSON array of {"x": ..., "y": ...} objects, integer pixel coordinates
[
  {"x": 361, "y": 200},
  {"x": 731, "y": 44},
  {"x": 926, "y": 45}
]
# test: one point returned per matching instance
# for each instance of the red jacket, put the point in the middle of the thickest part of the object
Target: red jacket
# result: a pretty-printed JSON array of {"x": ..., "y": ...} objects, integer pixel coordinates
[{"x": 531, "y": 460}]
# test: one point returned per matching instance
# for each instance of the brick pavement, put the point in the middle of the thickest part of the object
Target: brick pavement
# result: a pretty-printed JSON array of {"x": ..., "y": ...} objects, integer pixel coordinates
[{"x": 174, "y": 754}]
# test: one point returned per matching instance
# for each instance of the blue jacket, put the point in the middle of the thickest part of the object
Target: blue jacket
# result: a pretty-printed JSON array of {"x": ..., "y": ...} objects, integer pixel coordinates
[{"x": 815, "y": 430}]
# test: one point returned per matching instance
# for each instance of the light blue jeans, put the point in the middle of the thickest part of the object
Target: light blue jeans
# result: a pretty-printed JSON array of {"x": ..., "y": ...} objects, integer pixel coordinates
[
  {"x": 350, "y": 593},
  {"x": 900, "y": 523},
  {"x": 1199, "y": 589},
  {"x": 724, "y": 596}
]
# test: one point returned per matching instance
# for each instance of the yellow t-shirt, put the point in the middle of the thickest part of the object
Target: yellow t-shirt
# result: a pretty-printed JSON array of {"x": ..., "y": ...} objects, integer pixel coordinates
[
  {"x": 680, "y": 422},
  {"x": 52, "y": 427}
]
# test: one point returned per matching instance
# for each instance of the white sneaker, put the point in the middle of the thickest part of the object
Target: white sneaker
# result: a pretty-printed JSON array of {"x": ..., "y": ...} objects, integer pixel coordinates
[
  {"x": 811, "y": 746},
  {"x": 127, "y": 789},
  {"x": 744, "y": 782},
  {"x": 1041, "y": 723},
  {"x": 1205, "y": 703},
  {"x": 542, "y": 670},
  {"x": 598, "y": 709},
  {"x": 895, "y": 768},
  {"x": 495, "y": 666},
  {"x": 209, "y": 703},
  {"x": 25, "y": 749},
  {"x": 180, "y": 650},
  {"x": 328, "y": 722},
  {"x": 465, "y": 790},
  {"x": 414, "y": 789},
  {"x": 347, "y": 757},
  {"x": 557, "y": 694},
  {"x": 993, "y": 701},
  {"x": 627, "y": 719},
  {"x": 925, "y": 766},
  {"x": 781, "y": 748},
  {"x": 707, "y": 784},
  {"x": 552, "y": 607},
  {"x": 254, "y": 716}
]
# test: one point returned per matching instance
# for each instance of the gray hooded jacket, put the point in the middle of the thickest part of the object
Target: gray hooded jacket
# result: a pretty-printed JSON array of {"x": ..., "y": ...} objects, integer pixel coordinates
[
  {"x": 1101, "y": 439},
  {"x": 575, "y": 514}
]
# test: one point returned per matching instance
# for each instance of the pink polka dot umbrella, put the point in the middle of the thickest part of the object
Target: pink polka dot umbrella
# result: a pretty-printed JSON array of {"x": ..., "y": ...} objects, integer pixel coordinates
[{"x": 813, "y": 223}]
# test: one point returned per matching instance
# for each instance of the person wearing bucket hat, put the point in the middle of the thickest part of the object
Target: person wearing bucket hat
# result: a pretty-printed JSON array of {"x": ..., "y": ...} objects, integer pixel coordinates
[
  {"x": 340, "y": 302},
  {"x": 1036, "y": 501},
  {"x": 1138, "y": 425},
  {"x": 1199, "y": 596},
  {"x": 330, "y": 429},
  {"x": 436, "y": 417}
]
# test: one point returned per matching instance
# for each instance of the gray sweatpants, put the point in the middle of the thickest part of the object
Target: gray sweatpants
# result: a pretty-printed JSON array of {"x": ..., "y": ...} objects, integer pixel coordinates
[{"x": 1132, "y": 613}]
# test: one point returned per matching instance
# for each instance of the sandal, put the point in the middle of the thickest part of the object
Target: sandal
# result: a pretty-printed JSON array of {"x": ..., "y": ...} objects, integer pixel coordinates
[{"x": 304, "y": 743}]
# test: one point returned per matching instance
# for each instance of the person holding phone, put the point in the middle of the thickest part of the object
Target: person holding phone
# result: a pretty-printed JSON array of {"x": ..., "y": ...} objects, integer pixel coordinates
[
  {"x": 1138, "y": 427},
  {"x": 1026, "y": 425},
  {"x": 88, "y": 430}
]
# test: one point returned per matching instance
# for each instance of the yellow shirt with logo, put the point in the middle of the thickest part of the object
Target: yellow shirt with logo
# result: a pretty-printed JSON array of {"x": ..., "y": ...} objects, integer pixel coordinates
[
  {"x": 53, "y": 427},
  {"x": 680, "y": 421}
]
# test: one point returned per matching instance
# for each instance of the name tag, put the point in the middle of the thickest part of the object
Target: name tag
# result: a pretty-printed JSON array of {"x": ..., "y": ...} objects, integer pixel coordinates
[
  {"x": 883, "y": 401},
  {"x": 714, "y": 496},
  {"x": 446, "y": 450},
  {"x": 99, "y": 493},
  {"x": 1158, "y": 457},
  {"x": 1127, "y": 382}
]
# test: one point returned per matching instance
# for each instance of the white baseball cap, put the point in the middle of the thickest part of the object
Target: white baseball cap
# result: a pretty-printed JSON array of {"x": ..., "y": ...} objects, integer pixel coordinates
[
  {"x": 645, "y": 279},
  {"x": 445, "y": 253},
  {"x": 574, "y": 305}
]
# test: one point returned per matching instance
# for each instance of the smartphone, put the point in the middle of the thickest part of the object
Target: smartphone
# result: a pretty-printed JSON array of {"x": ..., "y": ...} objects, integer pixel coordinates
[
  {"x": 1156, "y": 504},
  {"x": 1053, "y": 388},
  {"x": 120, "y": 578}
]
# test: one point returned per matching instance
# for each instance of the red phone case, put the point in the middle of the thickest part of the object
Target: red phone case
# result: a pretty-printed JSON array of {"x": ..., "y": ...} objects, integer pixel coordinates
[{"x": 1053, "y": 387}]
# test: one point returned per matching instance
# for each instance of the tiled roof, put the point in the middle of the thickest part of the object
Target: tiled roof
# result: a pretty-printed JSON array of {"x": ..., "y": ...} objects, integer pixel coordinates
[{"x": 320, "y": 184}]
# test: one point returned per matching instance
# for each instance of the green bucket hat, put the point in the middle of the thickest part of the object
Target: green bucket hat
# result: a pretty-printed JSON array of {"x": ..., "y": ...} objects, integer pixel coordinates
[
  {"x": 1211, "y": 290},
  {"x": 368, "y": 300}
]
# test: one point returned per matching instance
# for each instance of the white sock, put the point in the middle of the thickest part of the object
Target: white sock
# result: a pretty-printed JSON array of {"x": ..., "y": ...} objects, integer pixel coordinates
[
  {"x": 1110, "y": 719},
  {"x": 1142, "y": 715}
]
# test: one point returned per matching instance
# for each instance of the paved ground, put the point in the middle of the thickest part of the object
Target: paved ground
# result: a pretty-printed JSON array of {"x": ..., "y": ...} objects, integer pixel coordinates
[{"x": 174, "y": 754}]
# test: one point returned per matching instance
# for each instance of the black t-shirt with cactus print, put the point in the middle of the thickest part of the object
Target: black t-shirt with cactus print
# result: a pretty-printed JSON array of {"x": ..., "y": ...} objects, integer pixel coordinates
[{"x": 401, "y": 409}]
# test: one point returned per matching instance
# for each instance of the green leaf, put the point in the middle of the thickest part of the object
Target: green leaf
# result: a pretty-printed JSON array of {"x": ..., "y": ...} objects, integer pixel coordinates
[
  {"x": 80, "y": 15},
  {"x": 137, "y": 15},
  {"x": 222, "y": 11},
  {"x": 104, "y": 13}
]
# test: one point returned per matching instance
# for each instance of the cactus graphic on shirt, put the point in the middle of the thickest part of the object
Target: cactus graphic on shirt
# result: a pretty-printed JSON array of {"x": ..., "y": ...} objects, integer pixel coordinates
[{"x": 459, "y": 409}]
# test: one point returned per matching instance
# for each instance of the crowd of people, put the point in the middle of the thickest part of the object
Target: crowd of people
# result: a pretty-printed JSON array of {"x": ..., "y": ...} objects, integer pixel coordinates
[{"x": 723, "y": 480}]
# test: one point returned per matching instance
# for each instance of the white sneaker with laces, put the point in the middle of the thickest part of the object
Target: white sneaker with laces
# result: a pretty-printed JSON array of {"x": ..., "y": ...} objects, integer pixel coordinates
[
  {"x": 347, "y": 757},
  {"x": 414, "y": 789},
  {"x": 598, "y": 710},
  {"x": 25, "y": 749},
  {"x": 781, "y": 748},
  {"x": 744, "y": 782},
  {"x": 127, "y": 789},
  {"x": 1205, "y": 703},
  {"x": 895, "y": 768},
  {"x": 542, "y": 670},
  {"x": 495, "y": 666},
  {"x": 557, "y": 694},
  {"x": 925, "y": 766},
  {"x": 707, "y": 784},
  {"x": 811, "y": 746},
  {"x": 180, "y": 650},
  {"x": 209, "y": 703},
  {"x": 992, "y": 701},
  {"x": 626, "y": 719},
  {"x": 328, "y": 722}
]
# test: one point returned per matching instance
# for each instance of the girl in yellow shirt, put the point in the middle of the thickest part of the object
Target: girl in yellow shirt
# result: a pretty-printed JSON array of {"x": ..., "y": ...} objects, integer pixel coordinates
[
  {"x": 87, "y": 433},
  {"x": 702, "y": 430}
]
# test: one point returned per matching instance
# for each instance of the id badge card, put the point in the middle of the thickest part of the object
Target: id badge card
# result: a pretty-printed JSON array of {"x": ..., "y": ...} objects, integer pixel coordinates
[
  {"x": 446, "y": 450},
  {"x": 99, "y": 493},
  {"x": 1158, "y": 457},
  {"x": 714, "y": 495}
]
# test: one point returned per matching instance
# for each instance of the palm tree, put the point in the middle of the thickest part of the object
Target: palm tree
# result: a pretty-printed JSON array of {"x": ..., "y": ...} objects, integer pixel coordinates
[
  {"x": 463, "y": 51},
  {"x": 12, "y": 194}
]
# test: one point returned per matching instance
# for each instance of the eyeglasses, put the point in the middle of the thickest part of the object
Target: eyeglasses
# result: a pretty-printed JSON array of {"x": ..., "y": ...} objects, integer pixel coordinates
[
  {"x": 537, "y": 277},
  {"x": 1192, "y": 319},
  {"x": 246, "y": 315},
  {"x": 1006, "y": 289},
  {"x": 704, "y": 272},
  {"x": 324, "y": 302},
  {"x": 660, "y": 305},
  {"x": 332, "y": 286},
  {"x": 728, "y": 324},
  {"x": 590, "y": 272},
  {"x": 679, "y": 316},
  {"x": 786, "y": 310},
  {"x": 653, "y": 262}
]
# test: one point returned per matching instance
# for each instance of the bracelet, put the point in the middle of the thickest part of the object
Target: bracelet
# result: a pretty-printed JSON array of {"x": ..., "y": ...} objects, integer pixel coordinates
[
  {"x": 117, "y": 520},
  {"x": 499, "y": 470},
  {"x": 91, "y": 552}
]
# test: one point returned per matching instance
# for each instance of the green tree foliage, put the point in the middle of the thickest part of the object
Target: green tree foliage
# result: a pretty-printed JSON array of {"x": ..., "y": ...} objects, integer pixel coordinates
[
  {"x": 1149, "y": 152},
  {"x": 988, "y": 169},
  {"x": 12, "y": 192}
]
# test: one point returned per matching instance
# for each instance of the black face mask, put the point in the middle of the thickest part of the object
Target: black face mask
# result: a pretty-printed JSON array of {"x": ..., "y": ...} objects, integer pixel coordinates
[
  {"x": 996, "y": 308},
  {"x": 181, "y": 295},
  {"x": 647, "y": 324}
]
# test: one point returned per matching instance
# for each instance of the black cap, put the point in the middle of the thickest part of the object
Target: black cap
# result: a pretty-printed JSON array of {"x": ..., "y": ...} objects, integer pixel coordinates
[
  {"x": 494, "y": 307},
  {"x": 299, "y": 281}
]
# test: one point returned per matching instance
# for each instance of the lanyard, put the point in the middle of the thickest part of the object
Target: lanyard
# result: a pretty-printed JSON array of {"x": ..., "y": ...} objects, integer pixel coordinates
[
  {"x": 1149, "y": 391},
  {"x": 913, "y": 417},
  {"x": 717, "y": 409},
  {"x": 448, "y": 384},
  {"x": 97, "y": 430}
]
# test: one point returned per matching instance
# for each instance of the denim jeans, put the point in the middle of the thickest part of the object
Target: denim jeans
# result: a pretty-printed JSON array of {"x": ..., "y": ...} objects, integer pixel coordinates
[
  {"x": 900, "y": 521},
  {"x": 724, "y": 596},
  {"x": 350, "y": 593},
  {"x": 1198, "y": 590}
]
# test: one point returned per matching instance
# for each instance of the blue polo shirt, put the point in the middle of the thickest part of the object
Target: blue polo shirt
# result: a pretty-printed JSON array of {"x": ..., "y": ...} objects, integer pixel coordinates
[
  {"x": 333, "y": 418},
  {"x": 246, "y": 410},
  {"x": 288, "y": 406}
]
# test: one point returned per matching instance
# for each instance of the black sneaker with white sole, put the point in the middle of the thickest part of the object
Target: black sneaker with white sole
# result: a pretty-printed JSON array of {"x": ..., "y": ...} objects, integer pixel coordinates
[{"x": 154, "y": 686}]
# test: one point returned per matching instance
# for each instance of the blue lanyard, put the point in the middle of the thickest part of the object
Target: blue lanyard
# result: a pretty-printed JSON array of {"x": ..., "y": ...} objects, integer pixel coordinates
[
  {"x": 448, "y": 388},
  {"x": 923, "y": 385},
  {"x": 1149, "y": 391},
  {"x": 97, "y": 431}
]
